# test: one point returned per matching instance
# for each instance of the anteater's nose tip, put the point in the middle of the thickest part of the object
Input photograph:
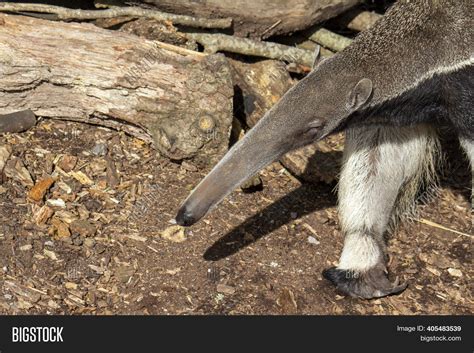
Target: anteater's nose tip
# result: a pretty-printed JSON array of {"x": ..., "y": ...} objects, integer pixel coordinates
[{"x": 185, "y": 217}]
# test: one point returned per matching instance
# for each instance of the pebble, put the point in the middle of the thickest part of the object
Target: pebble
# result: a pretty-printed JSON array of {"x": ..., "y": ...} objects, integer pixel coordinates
[
  {"x": 53, "y": 305},
  {"x": 51, "y": 254},
  {"x": 313, "y": 240},
  {"x": 100, "y": 149},
  {"x": 89, "y": 242},
  {"x": 455, "y": 272},
  {"x": 56, "y": 203}
]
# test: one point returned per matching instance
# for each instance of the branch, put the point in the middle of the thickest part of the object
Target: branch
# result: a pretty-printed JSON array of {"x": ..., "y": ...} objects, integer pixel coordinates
[
  {"x": 330, "y": 40},
  {"x": 221, "y": 42},
  {"x": 66, "y": 14}
]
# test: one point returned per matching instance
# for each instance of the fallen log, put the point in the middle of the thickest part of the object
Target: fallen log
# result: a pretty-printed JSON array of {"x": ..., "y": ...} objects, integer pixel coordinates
[
  {"x": 262, "y": 85},
  {"x": 260, "y": 19},
  {"x": 177, "y": 98}
]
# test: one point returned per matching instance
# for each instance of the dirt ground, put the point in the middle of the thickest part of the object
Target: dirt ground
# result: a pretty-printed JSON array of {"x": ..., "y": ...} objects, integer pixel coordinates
[{"x": 111, "y": 246}]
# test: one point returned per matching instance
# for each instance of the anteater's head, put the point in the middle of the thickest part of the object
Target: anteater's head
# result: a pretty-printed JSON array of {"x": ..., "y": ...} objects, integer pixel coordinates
[{"x": 311, "y": 110}]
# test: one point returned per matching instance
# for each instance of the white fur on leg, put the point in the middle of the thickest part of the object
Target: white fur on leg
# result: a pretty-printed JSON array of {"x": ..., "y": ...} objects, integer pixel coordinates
[
  {"x": 468, "y": 146},
  {"x": 360, "y": 253},
  {"x": 378, "y": 163}
]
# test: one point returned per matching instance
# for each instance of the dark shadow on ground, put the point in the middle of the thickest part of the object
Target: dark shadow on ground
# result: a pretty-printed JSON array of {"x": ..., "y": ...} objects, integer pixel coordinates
[{"x": 302, "y": 201}]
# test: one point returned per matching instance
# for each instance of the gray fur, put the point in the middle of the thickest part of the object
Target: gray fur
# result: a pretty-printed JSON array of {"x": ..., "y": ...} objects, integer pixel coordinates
[
  {"x": 413, "y": 66},
  {"x": 413, "y": 41}
]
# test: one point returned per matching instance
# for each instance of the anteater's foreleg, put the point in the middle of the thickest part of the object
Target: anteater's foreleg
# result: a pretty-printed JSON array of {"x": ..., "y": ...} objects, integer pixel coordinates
[{"x": 382, "y": 167}]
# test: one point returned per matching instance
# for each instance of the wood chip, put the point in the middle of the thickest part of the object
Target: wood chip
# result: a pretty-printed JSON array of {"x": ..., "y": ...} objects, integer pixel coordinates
[
  {"x": 70, "y": 285},
  {"x": 16, "y": 170},
  {"x": 5, "y": 152},
  {"x": 83, "y": 228},
  {"x": 51, "y": 254},
  {"x": 174, "y": 233},
  {"x": 123, "y": 273},
  {"x": 225, "y": 289},
  {"x": 67, "y": 163},
  {"x": 433, "y": 270},
  {"x": 23, "y": 291},
  {"x": 65, "y": 187},
  {"x": 286, "y": 300},
  {"x": 42, "y": 215},
  {"x": 61, "y": 229},
  {"x": 82, "y": 178},
  {"x": 59, "y": 203},
  {"x": 455, "y": 272},
  {"x": 40, "y": 189}
]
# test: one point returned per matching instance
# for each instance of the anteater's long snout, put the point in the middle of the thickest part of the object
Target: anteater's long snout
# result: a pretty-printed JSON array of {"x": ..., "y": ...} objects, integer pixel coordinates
[{"x": 261, "y": 146}]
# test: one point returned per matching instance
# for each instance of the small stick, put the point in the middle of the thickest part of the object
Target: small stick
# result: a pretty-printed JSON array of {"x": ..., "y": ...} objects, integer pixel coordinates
[
  {"x": 270, "y": 28},
  {"x": 439, "y": 226},
  {"x": 66, "y": 14}
]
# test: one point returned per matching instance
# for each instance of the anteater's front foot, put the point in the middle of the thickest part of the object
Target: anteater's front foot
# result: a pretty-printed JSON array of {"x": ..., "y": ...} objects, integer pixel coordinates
[{"x": 373, "y": 283}]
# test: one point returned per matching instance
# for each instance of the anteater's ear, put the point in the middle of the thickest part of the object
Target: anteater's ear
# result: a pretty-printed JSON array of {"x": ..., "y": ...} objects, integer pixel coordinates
[{"x": 360, "y": 94}]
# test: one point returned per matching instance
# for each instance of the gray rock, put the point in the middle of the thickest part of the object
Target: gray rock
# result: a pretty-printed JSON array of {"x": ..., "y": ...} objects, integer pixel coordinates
[{"x": 100, "y": 149}]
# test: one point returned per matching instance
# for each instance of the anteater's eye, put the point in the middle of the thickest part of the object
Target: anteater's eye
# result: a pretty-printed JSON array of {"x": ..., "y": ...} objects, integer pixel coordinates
[
  {"x": 316, "y": 123},
  {"x": 314, "y": 128}
]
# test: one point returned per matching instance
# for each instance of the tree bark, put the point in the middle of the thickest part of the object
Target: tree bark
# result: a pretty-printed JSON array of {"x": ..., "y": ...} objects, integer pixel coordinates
[
  {"x": 260, "y": 19},
  {"x": 179, "y": 99}
]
